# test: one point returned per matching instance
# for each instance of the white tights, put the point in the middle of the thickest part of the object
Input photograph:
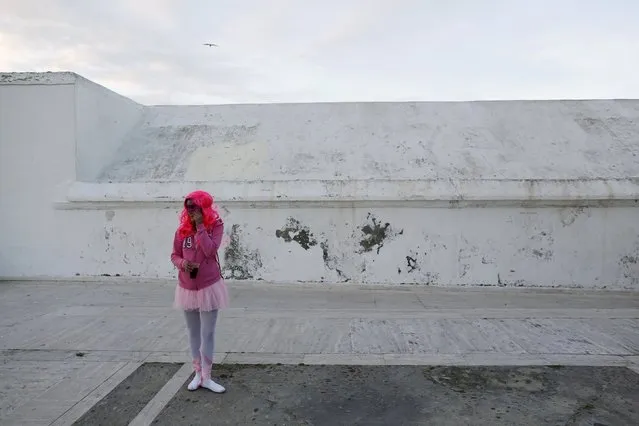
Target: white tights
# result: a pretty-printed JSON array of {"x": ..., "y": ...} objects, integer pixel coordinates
[{"x": 201, "y": 326}]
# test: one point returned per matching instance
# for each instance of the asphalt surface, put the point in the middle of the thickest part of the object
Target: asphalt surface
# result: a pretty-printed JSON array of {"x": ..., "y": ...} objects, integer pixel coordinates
[
  {"x": 410, "y": 395},
  {"x": 124, "y": 402}
]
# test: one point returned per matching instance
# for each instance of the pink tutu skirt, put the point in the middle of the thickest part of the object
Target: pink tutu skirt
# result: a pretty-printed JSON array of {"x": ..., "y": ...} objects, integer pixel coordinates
[{"x": 210, "y": 298}]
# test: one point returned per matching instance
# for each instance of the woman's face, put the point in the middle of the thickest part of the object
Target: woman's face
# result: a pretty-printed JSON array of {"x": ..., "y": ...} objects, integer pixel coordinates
[{"x": 192, "y": 208}]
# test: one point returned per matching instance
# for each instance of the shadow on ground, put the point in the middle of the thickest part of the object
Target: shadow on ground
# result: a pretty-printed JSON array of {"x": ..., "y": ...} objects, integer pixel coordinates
[{"x": 411, "y": 395}]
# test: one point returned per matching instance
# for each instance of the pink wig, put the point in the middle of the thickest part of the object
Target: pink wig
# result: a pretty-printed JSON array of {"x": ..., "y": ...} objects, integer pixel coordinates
[{"x": 204, "y": 201}]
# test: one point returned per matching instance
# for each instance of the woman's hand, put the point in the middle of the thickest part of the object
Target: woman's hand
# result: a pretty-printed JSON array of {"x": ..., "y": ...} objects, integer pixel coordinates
[
  {"x": 189, "y": 266},
  {"x": 197, "y": 218}
]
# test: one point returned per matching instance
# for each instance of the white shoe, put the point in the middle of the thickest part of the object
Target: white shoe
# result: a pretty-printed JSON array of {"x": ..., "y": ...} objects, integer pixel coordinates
[
  {"x": 212, "y": 386},
  {"x": 195, "y": 383}
]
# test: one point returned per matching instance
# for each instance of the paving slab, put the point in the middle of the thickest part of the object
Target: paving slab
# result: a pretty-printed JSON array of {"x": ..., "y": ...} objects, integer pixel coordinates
[
  {"x": 38, "y": 392},
  {"x": 410, "y": 395}
]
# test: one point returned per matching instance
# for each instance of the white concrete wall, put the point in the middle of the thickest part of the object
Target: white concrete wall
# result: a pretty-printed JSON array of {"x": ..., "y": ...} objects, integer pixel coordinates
[
  {"x": 586, "y": 247},
  {"x": 569, "y": 140},
  {"x": 55, "y": 128},
  {"x": 103, "y": 119},
  {"x": 37, "y": 157},
  {"x": 506, "y": 233},
  {"x": 62, "y": 138}
]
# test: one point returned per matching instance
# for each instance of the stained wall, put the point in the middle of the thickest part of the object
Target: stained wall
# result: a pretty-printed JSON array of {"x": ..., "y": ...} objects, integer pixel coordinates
[{"x": 507, "y": 193}]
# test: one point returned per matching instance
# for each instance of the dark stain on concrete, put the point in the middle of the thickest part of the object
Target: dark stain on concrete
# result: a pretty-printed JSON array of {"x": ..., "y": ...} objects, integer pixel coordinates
[
  {"x": 375, "y": 234},
  {"x": 342, "y": 275},
  {"x": 411, "y": 264},
  {"x": 112, "y": 233},
  {"x": 410, "y": 395},
  {"x": 466, "y": 255},
  {"x": 425, "y": 278},
  {"x": 541, "y": 246},
  {"x": 543, "y": 254},
  {"x": 109, "y": 214},
  {"x": 295, "y": 231},
  {"x": 240, "y": 263},
  {"x": 324, "y": 246},
  {"x": 506, "y": 283},
  {"x": 108, "y": 231},
  {"x": 630, "y": 266},
  {"x": 414, "y": 261},
  {"x": 332, "y": 262},
  {"x": 454, "y": 204},
  {"x": 464, "y": 380}
]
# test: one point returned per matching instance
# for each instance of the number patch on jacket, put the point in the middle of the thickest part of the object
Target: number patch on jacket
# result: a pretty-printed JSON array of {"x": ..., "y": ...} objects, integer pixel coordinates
[{"x": 188, "y": 243}]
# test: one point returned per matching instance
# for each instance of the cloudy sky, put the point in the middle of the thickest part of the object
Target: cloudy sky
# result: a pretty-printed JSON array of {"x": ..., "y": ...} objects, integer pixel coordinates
[{"x": 330, "y": 50}]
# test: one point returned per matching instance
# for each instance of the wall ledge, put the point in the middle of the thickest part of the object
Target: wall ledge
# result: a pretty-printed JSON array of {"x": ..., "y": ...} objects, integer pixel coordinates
[
  {"x": 249, "y": 284},
  {"x": 334, "y": 193},
  {"x": 37, "y": 78}
]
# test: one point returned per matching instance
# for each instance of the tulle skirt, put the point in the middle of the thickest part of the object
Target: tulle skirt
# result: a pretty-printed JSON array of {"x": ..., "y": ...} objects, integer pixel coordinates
[{"x": 210, "y": 298}]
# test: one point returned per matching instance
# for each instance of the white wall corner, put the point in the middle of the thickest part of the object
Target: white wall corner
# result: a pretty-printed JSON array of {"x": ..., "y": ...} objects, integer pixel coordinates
[{"x": 103, "y": 119}]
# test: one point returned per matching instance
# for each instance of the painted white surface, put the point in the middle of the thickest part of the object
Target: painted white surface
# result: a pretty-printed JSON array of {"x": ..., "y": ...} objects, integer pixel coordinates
[
  {"x": 567, "y": 247},
  {"x": 37, "y": 156},
  {"x": 407, "y": 141},
  {"x": 103, "y": 119},
  {"x": 602, "y": 192},
  {"x": 510, "y": 194}
]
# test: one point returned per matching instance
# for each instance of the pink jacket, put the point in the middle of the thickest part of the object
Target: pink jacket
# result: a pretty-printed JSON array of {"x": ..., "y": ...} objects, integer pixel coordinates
[{"x": 200, "y": 248}]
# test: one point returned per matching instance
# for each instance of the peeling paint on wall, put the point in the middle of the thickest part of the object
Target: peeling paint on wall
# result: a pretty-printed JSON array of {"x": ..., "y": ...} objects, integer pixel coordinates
[
  {"x": 295, "y": 231},
  {"x": 540, "y": 246},
  {"x": 411, "y": 264},
  {"x": 376, "y": 234},
  {"x": 112, "y": 232},
  {"x": 240, "y": 262},
  {"x": 501, "y": 282},
  {"x": 121, "y": 249},
  {"x": 417, "y": 264},
  {"x": 332, "y": 261},
  {"x": 165, "y": 148},
  {"x": 630, "y": 265},
  {"x": 467, "y": 253}
]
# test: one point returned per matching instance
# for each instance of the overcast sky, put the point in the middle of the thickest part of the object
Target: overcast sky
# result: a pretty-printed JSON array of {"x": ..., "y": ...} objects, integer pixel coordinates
[{"x": 330, "y": 50}]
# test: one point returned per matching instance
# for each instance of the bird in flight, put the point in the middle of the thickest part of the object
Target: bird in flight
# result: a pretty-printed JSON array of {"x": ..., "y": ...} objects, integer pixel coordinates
[{"x": 211, "y": 44}]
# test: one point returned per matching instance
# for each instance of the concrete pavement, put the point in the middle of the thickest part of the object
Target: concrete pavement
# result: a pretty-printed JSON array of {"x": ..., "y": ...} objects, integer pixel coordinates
[{"x": 65, "y": 345}]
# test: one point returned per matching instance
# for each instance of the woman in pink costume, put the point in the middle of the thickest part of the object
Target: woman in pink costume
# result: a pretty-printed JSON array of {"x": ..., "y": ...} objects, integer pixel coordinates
[{"x": 201, "y": 290}]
